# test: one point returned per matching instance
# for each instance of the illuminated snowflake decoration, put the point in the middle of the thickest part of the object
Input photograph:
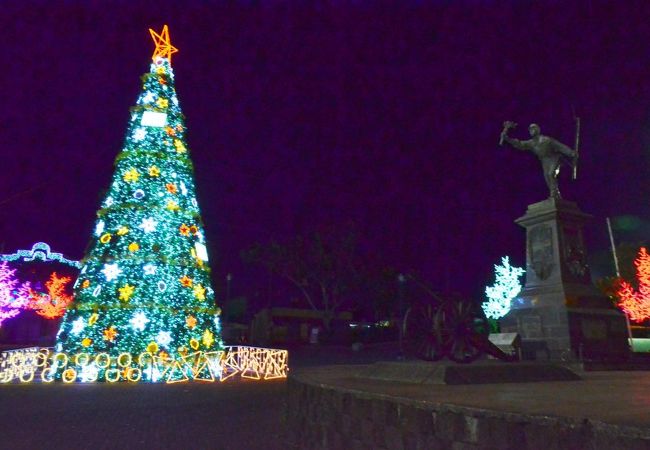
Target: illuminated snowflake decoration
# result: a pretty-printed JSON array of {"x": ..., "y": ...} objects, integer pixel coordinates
[
  {"x": 148, "y": 225},
  {"x": 89, "y": 373},
  {"x": 108, "y": 202},
  {"x": 111, "y": 271},
  {"x": 139, "y": 321},
  {"x": 78, "y": 326},
  {"x": 149, "y": 269},
  {"x": 99, "y": 228},
  {"x": 505, "y": 289},
  {"x": 139, "y": 134},
  {"x": 148, "y": 98},
  {"x": 164, "y": 338}
]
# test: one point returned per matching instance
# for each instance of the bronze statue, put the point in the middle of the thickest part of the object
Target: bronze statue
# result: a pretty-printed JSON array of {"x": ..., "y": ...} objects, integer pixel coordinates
[{"x": 550, "y": 152}]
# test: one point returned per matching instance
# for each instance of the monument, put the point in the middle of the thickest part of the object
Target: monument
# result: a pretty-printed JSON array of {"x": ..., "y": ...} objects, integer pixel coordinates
[{"x": 559, "y": 312}]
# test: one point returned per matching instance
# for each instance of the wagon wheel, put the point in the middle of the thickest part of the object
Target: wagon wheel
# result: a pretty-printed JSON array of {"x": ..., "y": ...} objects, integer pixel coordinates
[
  {"x": 462, "y": 326},
  {"x": 419, "y": 335}
]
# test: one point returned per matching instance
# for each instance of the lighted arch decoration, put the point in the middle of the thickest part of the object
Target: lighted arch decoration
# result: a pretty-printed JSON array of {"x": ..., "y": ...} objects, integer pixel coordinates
[{"x": 40, "y": 251}]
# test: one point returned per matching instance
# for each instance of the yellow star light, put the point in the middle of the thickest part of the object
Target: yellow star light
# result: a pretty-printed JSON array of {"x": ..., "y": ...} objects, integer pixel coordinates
[
  {"x": 110, "y": 334},
  {"x": 199, "y": 292},
  {"x": 131, "y": 175},
  {"x": 164, "y": 48},
  {"x": 208, "y": 338},
  {"x": 126, "y": 292},
  {"x": 154, "y": 171},
  {"x": 172, "y": 205}
]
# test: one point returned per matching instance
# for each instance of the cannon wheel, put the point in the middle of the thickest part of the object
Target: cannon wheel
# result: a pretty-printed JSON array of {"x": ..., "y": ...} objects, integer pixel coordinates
[
  {"x": 420, "y": 338},
  {"x": 461, "y": 327}
]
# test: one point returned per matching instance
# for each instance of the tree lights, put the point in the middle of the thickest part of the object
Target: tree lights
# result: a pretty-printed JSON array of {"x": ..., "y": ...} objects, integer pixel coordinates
[
  {"x": 13, "y": 296},
  {"x": 145, "y": 272},
  {"x": 636, "y": 302},
  {"x": 505, "y": 288}
]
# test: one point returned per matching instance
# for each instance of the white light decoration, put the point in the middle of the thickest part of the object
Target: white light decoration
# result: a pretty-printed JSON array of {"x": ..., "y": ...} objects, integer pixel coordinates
[
  {"x": 99, "y": 228},
  {"x": 175, "y": 100},
  {"x": 153, "y": 119},
  {"x": 111, "y": 271},
  {"x": 97, "y": 290},
  {"x": 183, "y": 188},
  {"x": 162, "y": 286},
  {"x": 148, "y": 225},
  {"x": 138, "y": 194},
  {"x": 149, "y": 269},
  {"x": 195, "y": 203},
  {"x": 139, "y": 321},
  {"x": 148, "y": 98},
  {"x": 139, "y": 134},
  {"x": 108, "y": 202},
  {"x": 201, "y": 251},
  {"x": 505, "y": 289},
  {"x": 89, "y": 373},
  {"x": 78, "y": 326},
  {"x": 164, "y": 338}
]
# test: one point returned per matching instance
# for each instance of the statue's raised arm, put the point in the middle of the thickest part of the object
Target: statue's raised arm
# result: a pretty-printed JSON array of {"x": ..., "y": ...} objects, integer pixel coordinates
[{"x": 550, "y": 152}]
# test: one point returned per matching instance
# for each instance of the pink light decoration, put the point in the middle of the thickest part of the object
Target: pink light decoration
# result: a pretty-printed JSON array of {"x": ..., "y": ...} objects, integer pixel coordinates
[{"x": 13, "y": 297}]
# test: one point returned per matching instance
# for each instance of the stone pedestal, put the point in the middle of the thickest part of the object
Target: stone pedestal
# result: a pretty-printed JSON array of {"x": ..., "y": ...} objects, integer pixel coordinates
[{"x": 559, "y": 312}]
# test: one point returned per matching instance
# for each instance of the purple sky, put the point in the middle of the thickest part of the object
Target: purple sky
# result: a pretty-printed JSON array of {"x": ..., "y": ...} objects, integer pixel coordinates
[{"x": 301, "y": 115}]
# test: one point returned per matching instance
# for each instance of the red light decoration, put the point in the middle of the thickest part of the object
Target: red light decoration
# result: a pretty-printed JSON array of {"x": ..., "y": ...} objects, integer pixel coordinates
[
  {"x": 54, "y": 303},
  {"x": 636, "y": 303}
]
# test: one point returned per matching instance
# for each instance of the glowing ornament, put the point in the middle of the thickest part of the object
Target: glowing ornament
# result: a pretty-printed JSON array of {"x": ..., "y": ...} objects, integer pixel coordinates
[
  {"x": 139, "y": 134},
  {"x": 105, "y": 239},
  {"x": 180, "y": 147},
  {"x": 86, "y": 342},
  {"x": 111, "y": 271},
  {"x": 162, "y": 103},
  {"x": 183, "y": 188},
  {"x": 99, "y": 228},
  {"x": 110, "y": 334},
  {"x": 78, "y": 326},
  {"x": 170, "y": 131},
  {"x": 208, "y": 338},
  {"x": 175, "y": 102},
  {"x": 89, "y": 373},
  {"x": 190, "y": 321},
  {"x": 160, "y": 70},
  {"x": 149, "y": 269},
  {"x": 139, "y": 321},
  {"x": 194, "y": 344},
  {"x": 152, "y": 348},
  {"x": 184, "y": 229},
  {"x": 138, "y": 194},
  {"x": 122, "y": 231},
  {"x": 108, "y": 202},
  {"x": 162, "y": 286},
  {"x": 154, "y": 171},
  {"x": 97, "y": 291},
  {"x": 505, "y": 289},
  {"x": 201, "y": 251},
  {"x": 171, "y": 188},
  {"x": 199, "y": 292},
  {"x": 85, "y": 284},
  {"x": 172, "y": 205},
  {"x": 164, "y": 338},
  {"x": 186, "y": 281},
  {"x": 153, "y": 119},
  {"x": 164, "y": 48},
  {"x": 148, "y": 98},
  {"x": 131, "y": 175},
  {"x": 134, "y": 247},
  {"x": 93, "y": 319},
  {"x": 126, "y": 292}
]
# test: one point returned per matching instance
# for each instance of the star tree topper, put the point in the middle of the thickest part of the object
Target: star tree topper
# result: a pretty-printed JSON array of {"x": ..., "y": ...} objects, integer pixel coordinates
[{"x": 164, "y": 48}]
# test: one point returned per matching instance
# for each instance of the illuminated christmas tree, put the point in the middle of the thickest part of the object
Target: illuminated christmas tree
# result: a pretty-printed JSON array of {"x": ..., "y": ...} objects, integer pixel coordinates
[
  {"x": 504, "y": 290},
  {"x": 13, "y": 296},
  {"x": 145, "y": 281},
  {"x": 636, "y": 302}
]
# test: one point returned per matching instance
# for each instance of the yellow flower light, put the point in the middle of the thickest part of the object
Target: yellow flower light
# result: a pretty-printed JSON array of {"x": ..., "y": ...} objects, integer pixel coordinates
[
  {"x": 180, "y": 147},
  {"x": 172, "y": 205},
  {"x": 126, "y": 292},
  {"x": 154, "y": 171},
  {"x": 86, "y": 342},
  {"x": 152, "y": 348},
  {"x": 134, "y": 247},
  {"x": 162, "y": 103},
  {"x": 131, "y": 175},
  {"x": 122, "y": 231},
  {"x": 199, "y": 292},
  {"x": 190, "y": 321},
  {"x": 110, "y": 334}
]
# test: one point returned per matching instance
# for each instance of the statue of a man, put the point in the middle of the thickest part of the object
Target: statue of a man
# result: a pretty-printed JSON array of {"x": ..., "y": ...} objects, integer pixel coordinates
[{"x": 550, "y": 152}]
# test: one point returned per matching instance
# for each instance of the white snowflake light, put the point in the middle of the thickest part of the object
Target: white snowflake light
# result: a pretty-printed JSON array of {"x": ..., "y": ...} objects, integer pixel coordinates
[
  {"x": 149, "y": 269},
  {"x": 139, "y": 321},
  {"x": 148, "y": 225},
  {"x": 164, "y": 338},
  {"x": 108, "y": 202},
  {"x": 89, "y": 373},
  {"x": 149, "y": 98},
  {"x": 99, "y": 228},
  {"x": 111, "y": 271},
  {"x": 78, "y": 326},
  {"x": 505, "y": 289},
  {"x": 139, "y": 134}
]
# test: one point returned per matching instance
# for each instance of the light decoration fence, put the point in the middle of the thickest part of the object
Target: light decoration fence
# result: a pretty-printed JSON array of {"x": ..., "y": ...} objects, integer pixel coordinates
[
  {"x": 40, "y": 251},
  {"x": 41, "y": 364}
]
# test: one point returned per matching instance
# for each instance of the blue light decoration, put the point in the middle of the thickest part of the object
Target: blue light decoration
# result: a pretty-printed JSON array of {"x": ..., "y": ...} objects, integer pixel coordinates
[
  {"x": 40, "y": 251},
  {"x": 504, "y": 290}
]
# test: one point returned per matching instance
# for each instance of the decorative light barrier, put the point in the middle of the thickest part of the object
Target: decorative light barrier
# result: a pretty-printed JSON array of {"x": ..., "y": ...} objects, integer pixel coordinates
[{"x": 44, "y": 365}]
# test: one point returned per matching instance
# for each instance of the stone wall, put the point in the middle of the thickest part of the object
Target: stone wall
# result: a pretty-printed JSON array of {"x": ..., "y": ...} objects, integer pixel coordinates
[{"x": 326, "y": 417}]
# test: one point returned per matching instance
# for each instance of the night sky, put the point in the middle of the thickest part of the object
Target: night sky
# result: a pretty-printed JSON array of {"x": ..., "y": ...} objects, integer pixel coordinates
[{"x": 302, "y": 114}]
